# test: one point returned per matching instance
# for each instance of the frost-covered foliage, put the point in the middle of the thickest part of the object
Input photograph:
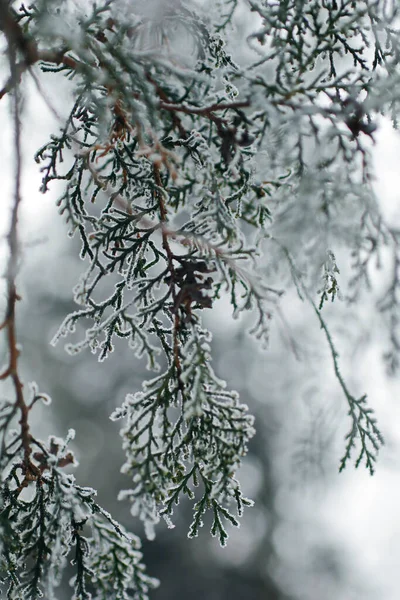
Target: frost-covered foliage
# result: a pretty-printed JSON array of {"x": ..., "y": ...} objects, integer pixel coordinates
[
  {"x": 189, "y": 174},
  {"x": 47, "y": 518}
]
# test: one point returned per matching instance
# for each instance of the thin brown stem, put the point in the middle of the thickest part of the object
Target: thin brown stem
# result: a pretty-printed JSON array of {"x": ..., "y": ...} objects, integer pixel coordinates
[
  {"x": 171, "y": 266},
  {"x": 27, "y": 46},
  {"x": 14, "y": 41},
  {"x": 165, "y": 100},
  {"x": 206, "y": 111}
]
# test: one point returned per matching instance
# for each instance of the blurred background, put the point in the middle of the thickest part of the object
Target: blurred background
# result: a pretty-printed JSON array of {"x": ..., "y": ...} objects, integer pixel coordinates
[{"x": 313, "y": 533}]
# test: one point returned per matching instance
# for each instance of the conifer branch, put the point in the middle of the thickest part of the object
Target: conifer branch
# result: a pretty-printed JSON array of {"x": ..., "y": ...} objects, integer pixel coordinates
[
  {"x": 364, "y": 429},
  {"x": 177, "y": 167}
]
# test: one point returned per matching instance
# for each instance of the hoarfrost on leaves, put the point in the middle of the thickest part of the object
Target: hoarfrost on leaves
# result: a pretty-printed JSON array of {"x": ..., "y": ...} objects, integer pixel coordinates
[
  {"x": 189, "y": 174},
  {"x": 45, "y": 530}
]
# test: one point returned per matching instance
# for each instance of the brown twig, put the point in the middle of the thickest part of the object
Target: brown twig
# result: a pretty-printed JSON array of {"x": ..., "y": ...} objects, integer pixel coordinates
[
  {"x": 227, "y": 133},
  {"x": 52, "y": 56},
  {"x": 15, "y": 41},
  {"x": 165, "y": 100},
  {"x": 170, "y": 258},
  {"x": 28, "y": 47},
  {"x": 206, "y": 111},
  {"x": 16, "y": 38}
]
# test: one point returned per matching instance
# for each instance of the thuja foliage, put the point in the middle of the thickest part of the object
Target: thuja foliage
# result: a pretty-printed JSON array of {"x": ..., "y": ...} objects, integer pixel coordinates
[{"x": 196, "y": 162}]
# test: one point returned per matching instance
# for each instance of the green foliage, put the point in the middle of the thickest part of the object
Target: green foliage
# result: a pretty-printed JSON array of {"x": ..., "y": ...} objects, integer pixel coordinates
[
  {"x": 59, "y": 519},
  {"x": 190, "y": 174},
  {"x": 202, "y": 442}
]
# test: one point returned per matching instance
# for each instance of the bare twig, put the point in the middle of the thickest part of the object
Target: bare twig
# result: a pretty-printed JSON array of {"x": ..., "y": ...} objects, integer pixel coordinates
[{"x": 14, "y": 41}]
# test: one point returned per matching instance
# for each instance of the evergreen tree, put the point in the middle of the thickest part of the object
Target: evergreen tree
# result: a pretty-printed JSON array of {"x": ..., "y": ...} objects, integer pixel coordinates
[{"x": 189, "y": 174}]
